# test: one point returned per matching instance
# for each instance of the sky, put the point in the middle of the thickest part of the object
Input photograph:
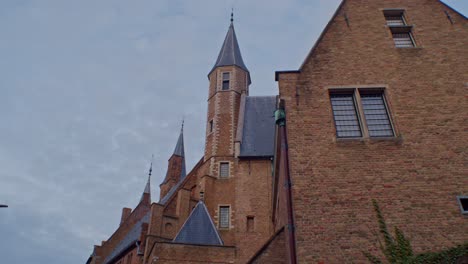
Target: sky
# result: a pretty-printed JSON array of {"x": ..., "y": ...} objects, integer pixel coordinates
[{"x": 90, "y": 89}]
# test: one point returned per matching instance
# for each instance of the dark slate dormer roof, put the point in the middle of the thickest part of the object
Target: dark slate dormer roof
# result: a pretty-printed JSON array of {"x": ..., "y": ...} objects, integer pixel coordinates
[
  {"x": 129, "y": 240},
  {"x": 230, "y": 54},
  {"x": 258, "y": 132},
  {"x": 199, "y": 229}
]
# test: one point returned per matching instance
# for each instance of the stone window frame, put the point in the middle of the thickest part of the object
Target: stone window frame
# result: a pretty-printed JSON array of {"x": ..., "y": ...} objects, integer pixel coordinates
[
  {"x": 356, "y": 91},
  {"x": 229, "y": 216},
  {"x": 459, "y": 198},
  {"x": 229, "y": 169},
  {"x": 405, "y": 28}
]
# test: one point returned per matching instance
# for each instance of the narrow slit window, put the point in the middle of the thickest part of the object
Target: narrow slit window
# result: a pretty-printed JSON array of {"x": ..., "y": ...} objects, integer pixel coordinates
[
  {"x": 226, "y": 80},
  {"x": 224, "y": 216},
  {"x": 210, "y": 126},
  {"x": 345, "y": 115},
  {"x": 375, "y": 112},
  {"x": 250, "y": 223},
  {"x": 224, "y": 170}
]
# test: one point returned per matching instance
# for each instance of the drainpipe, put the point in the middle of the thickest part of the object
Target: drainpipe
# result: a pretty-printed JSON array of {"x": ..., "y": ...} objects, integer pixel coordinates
[{"x": 280, "y": 117}]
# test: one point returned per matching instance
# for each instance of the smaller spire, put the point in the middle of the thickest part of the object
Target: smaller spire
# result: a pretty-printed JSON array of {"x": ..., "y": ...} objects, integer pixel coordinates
[
  {"x": 148, "y": 183},
  {"x": 179, "y": 149}
]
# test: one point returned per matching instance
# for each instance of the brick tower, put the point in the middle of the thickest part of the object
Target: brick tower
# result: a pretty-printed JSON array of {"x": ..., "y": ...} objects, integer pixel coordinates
[
  {"x": 176, "y": 166},
  {"x": 228, "y": 80}
]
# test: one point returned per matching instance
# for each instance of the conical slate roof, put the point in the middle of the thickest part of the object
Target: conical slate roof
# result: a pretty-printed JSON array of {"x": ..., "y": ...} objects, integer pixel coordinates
[
  {"x": 148, "y": 184},
  {"x": 199, "y": 229},
  {"x": 179, "y": 148},
  {"x": 230, "y": 54}
]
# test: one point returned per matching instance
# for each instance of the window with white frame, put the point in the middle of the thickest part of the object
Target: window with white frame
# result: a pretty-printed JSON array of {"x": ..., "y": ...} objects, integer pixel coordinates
[
  {"x": 361, "y": 112},
  {"x": 224, "y": 216},
  {"x": 401, "y": 32},
  {"x": 226, "y": 81},
  {"x": 224, "y": 170}
]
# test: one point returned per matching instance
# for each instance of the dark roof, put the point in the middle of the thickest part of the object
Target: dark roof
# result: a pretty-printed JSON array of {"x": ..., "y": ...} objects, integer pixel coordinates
[
  {"x": 230, "y": 54},
  {"x": 179, "y": 148},
  {"x": 199, "y": 229},
  {"x": 129, "y": 240},
  {"x": 259, "y": 127}
]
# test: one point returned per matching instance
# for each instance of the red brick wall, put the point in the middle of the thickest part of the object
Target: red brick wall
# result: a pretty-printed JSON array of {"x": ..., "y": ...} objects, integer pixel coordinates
[
  {"x": 170, "y": 253},
  {"x": 274, "y": 252},
  {"x": 416, "y": 176}
]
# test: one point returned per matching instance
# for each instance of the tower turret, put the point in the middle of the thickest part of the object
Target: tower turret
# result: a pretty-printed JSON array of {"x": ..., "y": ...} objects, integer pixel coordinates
[
  {"x": 229, "y": 79},
  {"x": 176, "y": 170}
]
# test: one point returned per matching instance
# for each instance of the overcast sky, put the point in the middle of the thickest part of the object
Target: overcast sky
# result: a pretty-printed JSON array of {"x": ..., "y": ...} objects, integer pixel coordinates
[{"x": 91, "y": 88}]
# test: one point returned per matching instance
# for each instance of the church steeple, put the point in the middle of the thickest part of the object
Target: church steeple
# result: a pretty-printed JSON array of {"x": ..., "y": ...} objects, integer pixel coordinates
[
  {"x": 230, "y": 54},
  {"x": 147, "y": 191},
  {"x": 176, "y": 170}
]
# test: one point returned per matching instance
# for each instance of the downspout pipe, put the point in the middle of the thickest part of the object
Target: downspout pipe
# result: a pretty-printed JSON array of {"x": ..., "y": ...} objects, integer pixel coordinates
[{"x": 280, "y": 117}]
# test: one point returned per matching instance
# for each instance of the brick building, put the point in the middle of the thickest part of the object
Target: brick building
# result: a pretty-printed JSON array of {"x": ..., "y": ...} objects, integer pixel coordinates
[{"x": 377, "y": 111}]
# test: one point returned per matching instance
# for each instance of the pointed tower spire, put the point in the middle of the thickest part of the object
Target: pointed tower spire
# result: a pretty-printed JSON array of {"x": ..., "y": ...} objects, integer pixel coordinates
[
  {"x": 179, "y": 148},
  {"x": 230, "y": 54},
  {"x": 147, "y": 189}
]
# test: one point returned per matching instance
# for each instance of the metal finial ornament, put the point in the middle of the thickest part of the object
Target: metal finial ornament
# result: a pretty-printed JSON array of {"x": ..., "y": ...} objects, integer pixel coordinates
[
  {"x": 232, "y": 15},
  {"x": 182, "y": 128},
  {"x": 151, "y": 165}
]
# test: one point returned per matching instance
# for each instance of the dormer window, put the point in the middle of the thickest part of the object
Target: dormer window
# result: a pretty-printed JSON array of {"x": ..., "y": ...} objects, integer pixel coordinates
[
  {"x": 401, "y": 31},
  {"x": 226, "y": 80}
]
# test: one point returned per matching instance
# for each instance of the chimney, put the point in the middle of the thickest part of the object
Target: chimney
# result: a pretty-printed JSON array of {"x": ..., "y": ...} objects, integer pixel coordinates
[{"x": 125, "y": 213}]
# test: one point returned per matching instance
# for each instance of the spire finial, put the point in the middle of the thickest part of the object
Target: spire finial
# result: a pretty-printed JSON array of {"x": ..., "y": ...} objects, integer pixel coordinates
[
  {"x": 182, "y": 128},
  {"x": 151, "y": 166},
  {"x": 232, "y": 15}
]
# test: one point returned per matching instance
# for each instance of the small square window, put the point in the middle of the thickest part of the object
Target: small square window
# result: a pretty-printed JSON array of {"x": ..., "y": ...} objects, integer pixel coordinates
[
  {"x": 224, "y": 216},
  {"x": 395, "y": 17},
  {"x": 226, "y": 80},
  {"x": 463, "y": 202},
  {"x": 224, "y": 170},
  {"x": 403, "y": 40}
]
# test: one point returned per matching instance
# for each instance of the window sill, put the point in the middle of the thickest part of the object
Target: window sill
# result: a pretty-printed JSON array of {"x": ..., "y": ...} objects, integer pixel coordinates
[{"x": 369, "y": 140}]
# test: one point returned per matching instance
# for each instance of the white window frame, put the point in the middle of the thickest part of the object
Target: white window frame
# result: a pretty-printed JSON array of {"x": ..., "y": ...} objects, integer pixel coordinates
[
  {"x": 229, "y": 169},
  {"x": 229, "y": 216}
]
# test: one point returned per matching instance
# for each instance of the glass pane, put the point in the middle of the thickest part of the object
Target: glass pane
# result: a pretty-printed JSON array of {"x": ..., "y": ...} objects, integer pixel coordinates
[
  {"x": 225, "y": 85},
  {"x": 403, "y": 40},
  {"x": 224, "y": 170},
  {"x": 224, "y": 216},
  {"x": 344, "y": 112},
  {"x": 395, "y": 20},
  {"x": 226, "y": 76},
  {"x": 375, "y": 112}
]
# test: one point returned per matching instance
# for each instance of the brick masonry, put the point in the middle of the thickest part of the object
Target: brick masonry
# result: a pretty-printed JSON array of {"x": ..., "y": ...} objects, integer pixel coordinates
[{"x": 416, "y": 175}]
